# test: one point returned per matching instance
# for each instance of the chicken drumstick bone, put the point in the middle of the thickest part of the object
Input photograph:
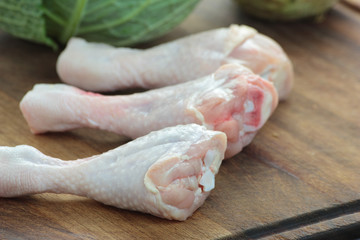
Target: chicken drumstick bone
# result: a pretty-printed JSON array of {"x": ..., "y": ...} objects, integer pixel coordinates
[
  {"x": 100, "y": 67},
  {"x": 232, "y": 100},
  {"x": 167, "y": 173}
]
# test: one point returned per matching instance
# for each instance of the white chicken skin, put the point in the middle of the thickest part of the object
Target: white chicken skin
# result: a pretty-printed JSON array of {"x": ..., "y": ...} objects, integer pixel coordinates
[
  {"x": 167, "y": 173},
  {"x": 232, "y": 100},
  {"x": 100, "y": 67}
]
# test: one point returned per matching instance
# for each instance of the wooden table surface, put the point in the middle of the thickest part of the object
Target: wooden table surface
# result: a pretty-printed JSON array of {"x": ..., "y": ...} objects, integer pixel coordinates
[{"x": 299, "y": 178}]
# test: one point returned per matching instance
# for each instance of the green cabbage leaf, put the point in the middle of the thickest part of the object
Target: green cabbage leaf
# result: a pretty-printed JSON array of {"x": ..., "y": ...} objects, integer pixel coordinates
[{"x": 116, "y": 22}]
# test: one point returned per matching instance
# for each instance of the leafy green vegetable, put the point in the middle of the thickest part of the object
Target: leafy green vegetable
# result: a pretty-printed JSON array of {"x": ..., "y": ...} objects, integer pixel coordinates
[
  {"x": 24, "y": 19},
  {"x": 117, "y": 22}
]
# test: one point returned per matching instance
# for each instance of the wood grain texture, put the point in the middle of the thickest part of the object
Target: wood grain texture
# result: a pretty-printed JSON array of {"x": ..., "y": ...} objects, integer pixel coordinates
[{"x": 299, "y": 178}]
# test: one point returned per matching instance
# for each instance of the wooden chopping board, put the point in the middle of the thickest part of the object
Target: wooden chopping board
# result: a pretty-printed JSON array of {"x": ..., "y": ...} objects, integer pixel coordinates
[{"x": 299, "y": 178}]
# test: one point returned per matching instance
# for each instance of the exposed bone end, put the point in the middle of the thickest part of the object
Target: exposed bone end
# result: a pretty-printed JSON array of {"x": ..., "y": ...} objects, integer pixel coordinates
[
  {"x": 181, "y": 184},
  {"x": 239, "y": 107},
  {"x": 212, "y": 161},
  {"x": 260, "y": 103}
]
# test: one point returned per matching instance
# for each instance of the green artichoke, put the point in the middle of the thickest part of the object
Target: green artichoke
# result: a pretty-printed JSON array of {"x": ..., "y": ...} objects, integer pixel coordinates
[{"x": 286, "y": 9}]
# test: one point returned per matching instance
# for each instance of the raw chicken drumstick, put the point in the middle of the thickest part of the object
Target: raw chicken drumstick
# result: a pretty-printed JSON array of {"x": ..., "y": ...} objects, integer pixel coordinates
[
  {"x": 167, "y": 173},
  {"x": 232, "y": 100},
  {"x": 100, "y": 67}
]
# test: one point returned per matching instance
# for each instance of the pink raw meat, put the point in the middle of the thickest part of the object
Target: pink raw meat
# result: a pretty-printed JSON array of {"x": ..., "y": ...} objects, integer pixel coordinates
[
  {"x": 167, "y": 173},
  {"x": 100, "y": 67},
  {"x": 232, "y": 100}
]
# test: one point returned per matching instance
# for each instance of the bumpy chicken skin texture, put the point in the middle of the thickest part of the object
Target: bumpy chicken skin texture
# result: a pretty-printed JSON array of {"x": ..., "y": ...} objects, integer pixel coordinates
[
  {"x": 167, "y": 173},
  {"x": 100, "y": 67},
  {"x": 232, "y": 100}
]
